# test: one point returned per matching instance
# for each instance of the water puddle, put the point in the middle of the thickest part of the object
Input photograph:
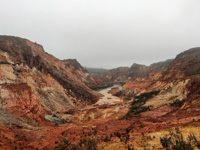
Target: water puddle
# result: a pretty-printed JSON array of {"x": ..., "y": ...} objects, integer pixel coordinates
[{"x": 108, "y": 98}]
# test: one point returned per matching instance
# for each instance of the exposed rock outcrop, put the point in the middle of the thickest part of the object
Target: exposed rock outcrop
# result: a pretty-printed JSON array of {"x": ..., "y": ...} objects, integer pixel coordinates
[
  {"x": 19, "y": 100},
  {"x": 56, "y": 86}
]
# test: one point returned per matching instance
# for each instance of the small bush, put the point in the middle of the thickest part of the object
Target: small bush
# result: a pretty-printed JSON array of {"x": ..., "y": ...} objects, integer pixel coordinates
[
  {"x": 127, "y": 130},
  {"x": 19, "y": 70},
  {"x": 95, "y": 131},
  {"x": 106, "y": 139},
  {"x": 4, "y": 62},
  {"x": 117, "y": 134},
  {"x": 111, "y": 135},
  {"x": 177, "y": 103},
  {"x": 91, "y": 144},
  {"x": 4, "y": 49}
]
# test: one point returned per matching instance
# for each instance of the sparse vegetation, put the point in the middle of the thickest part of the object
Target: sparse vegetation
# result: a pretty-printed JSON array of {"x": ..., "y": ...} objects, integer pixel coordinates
[
  {"x": 175, "y": 141},
  {"x": 91, "y": 144},
  {"x": 23, "y": 45},
  {"x": 95, "y": 131},
  {"x": 67, "y": 66},
  {"x": 146, "y": 96},
  {"x": 117, "y": 134},
  {"x": 127, "y": 136},
  {"x": 64, "y": 145},
  {"x": 106, "y": 127},
  {"x": 83, "y": 144},
  {"x": 106, "y": 139},
  {"x": 127, "y": 130},
  {"x": 4, "y": 62},
  {"x": 137, "y": 105},
  {"x": 177, "y": 103},
  {"x": 139, "y": 109},
  {"x": 4, "y": 49},
  {"x": 19, "y": 70},
  {"x": 55, "y": 67},
  {"x": 111, "y": 135}
]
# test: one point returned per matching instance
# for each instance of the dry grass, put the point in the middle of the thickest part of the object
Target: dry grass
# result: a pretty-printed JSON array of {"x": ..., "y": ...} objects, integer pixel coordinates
[{"x": 151, "y": 141}]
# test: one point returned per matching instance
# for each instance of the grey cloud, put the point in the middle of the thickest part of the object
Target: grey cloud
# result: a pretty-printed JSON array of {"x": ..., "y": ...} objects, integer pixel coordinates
[{"x": 105, "y": 33}]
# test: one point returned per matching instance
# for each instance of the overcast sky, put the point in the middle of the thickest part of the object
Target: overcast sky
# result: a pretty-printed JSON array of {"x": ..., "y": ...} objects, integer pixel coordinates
[{"x": 105, "y": 33}]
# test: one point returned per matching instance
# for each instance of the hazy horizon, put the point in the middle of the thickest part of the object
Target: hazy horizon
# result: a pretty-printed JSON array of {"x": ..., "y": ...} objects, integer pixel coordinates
[{"x": 107, "y": 33}]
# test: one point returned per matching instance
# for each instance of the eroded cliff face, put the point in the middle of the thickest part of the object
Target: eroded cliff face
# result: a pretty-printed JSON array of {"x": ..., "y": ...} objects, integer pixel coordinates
[
  {"x": 57, "y": 85},
  {"x": 19, "y": 100}
]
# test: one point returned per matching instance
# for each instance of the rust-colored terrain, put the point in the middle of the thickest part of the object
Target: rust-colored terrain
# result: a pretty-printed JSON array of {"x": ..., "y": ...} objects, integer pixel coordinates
[{"x": 47, "y": 103}]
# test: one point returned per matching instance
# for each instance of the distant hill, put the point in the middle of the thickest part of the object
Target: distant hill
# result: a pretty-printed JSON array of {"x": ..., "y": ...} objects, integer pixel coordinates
[{"x": 96, "y": 70}]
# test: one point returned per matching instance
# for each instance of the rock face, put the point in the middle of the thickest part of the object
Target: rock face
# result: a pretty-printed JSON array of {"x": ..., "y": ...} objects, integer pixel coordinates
[
  {"x": 77, "y": 73},
  {"x": 56, "y": 85},
  {"x": 18, "y": 99}
]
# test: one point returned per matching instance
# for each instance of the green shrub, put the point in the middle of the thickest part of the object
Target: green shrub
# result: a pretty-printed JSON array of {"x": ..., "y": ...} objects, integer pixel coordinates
[
  {"x": 117, "y": 134},
  {"x": 146, "y": 96},
  {"x": 4, "y": 49},
  {"x": 177, "y": 103},
  {"x": 111, "y": 135},
  {"x": 137, "y": 105},
  {"x": 4, "y": 62},
  {"x": 139, "y": 109},
  {"x": 132, "y": 92},
  {"x": 19, "y": 70}
]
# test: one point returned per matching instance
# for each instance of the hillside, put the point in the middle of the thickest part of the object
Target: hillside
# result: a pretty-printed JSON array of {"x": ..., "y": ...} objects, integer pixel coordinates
[
  {"x": 96, "y": 70},
  {"x": 47, "y": 103},
  {"x": 57, "y": 85},
  {"x": 125, "y": 74}
]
